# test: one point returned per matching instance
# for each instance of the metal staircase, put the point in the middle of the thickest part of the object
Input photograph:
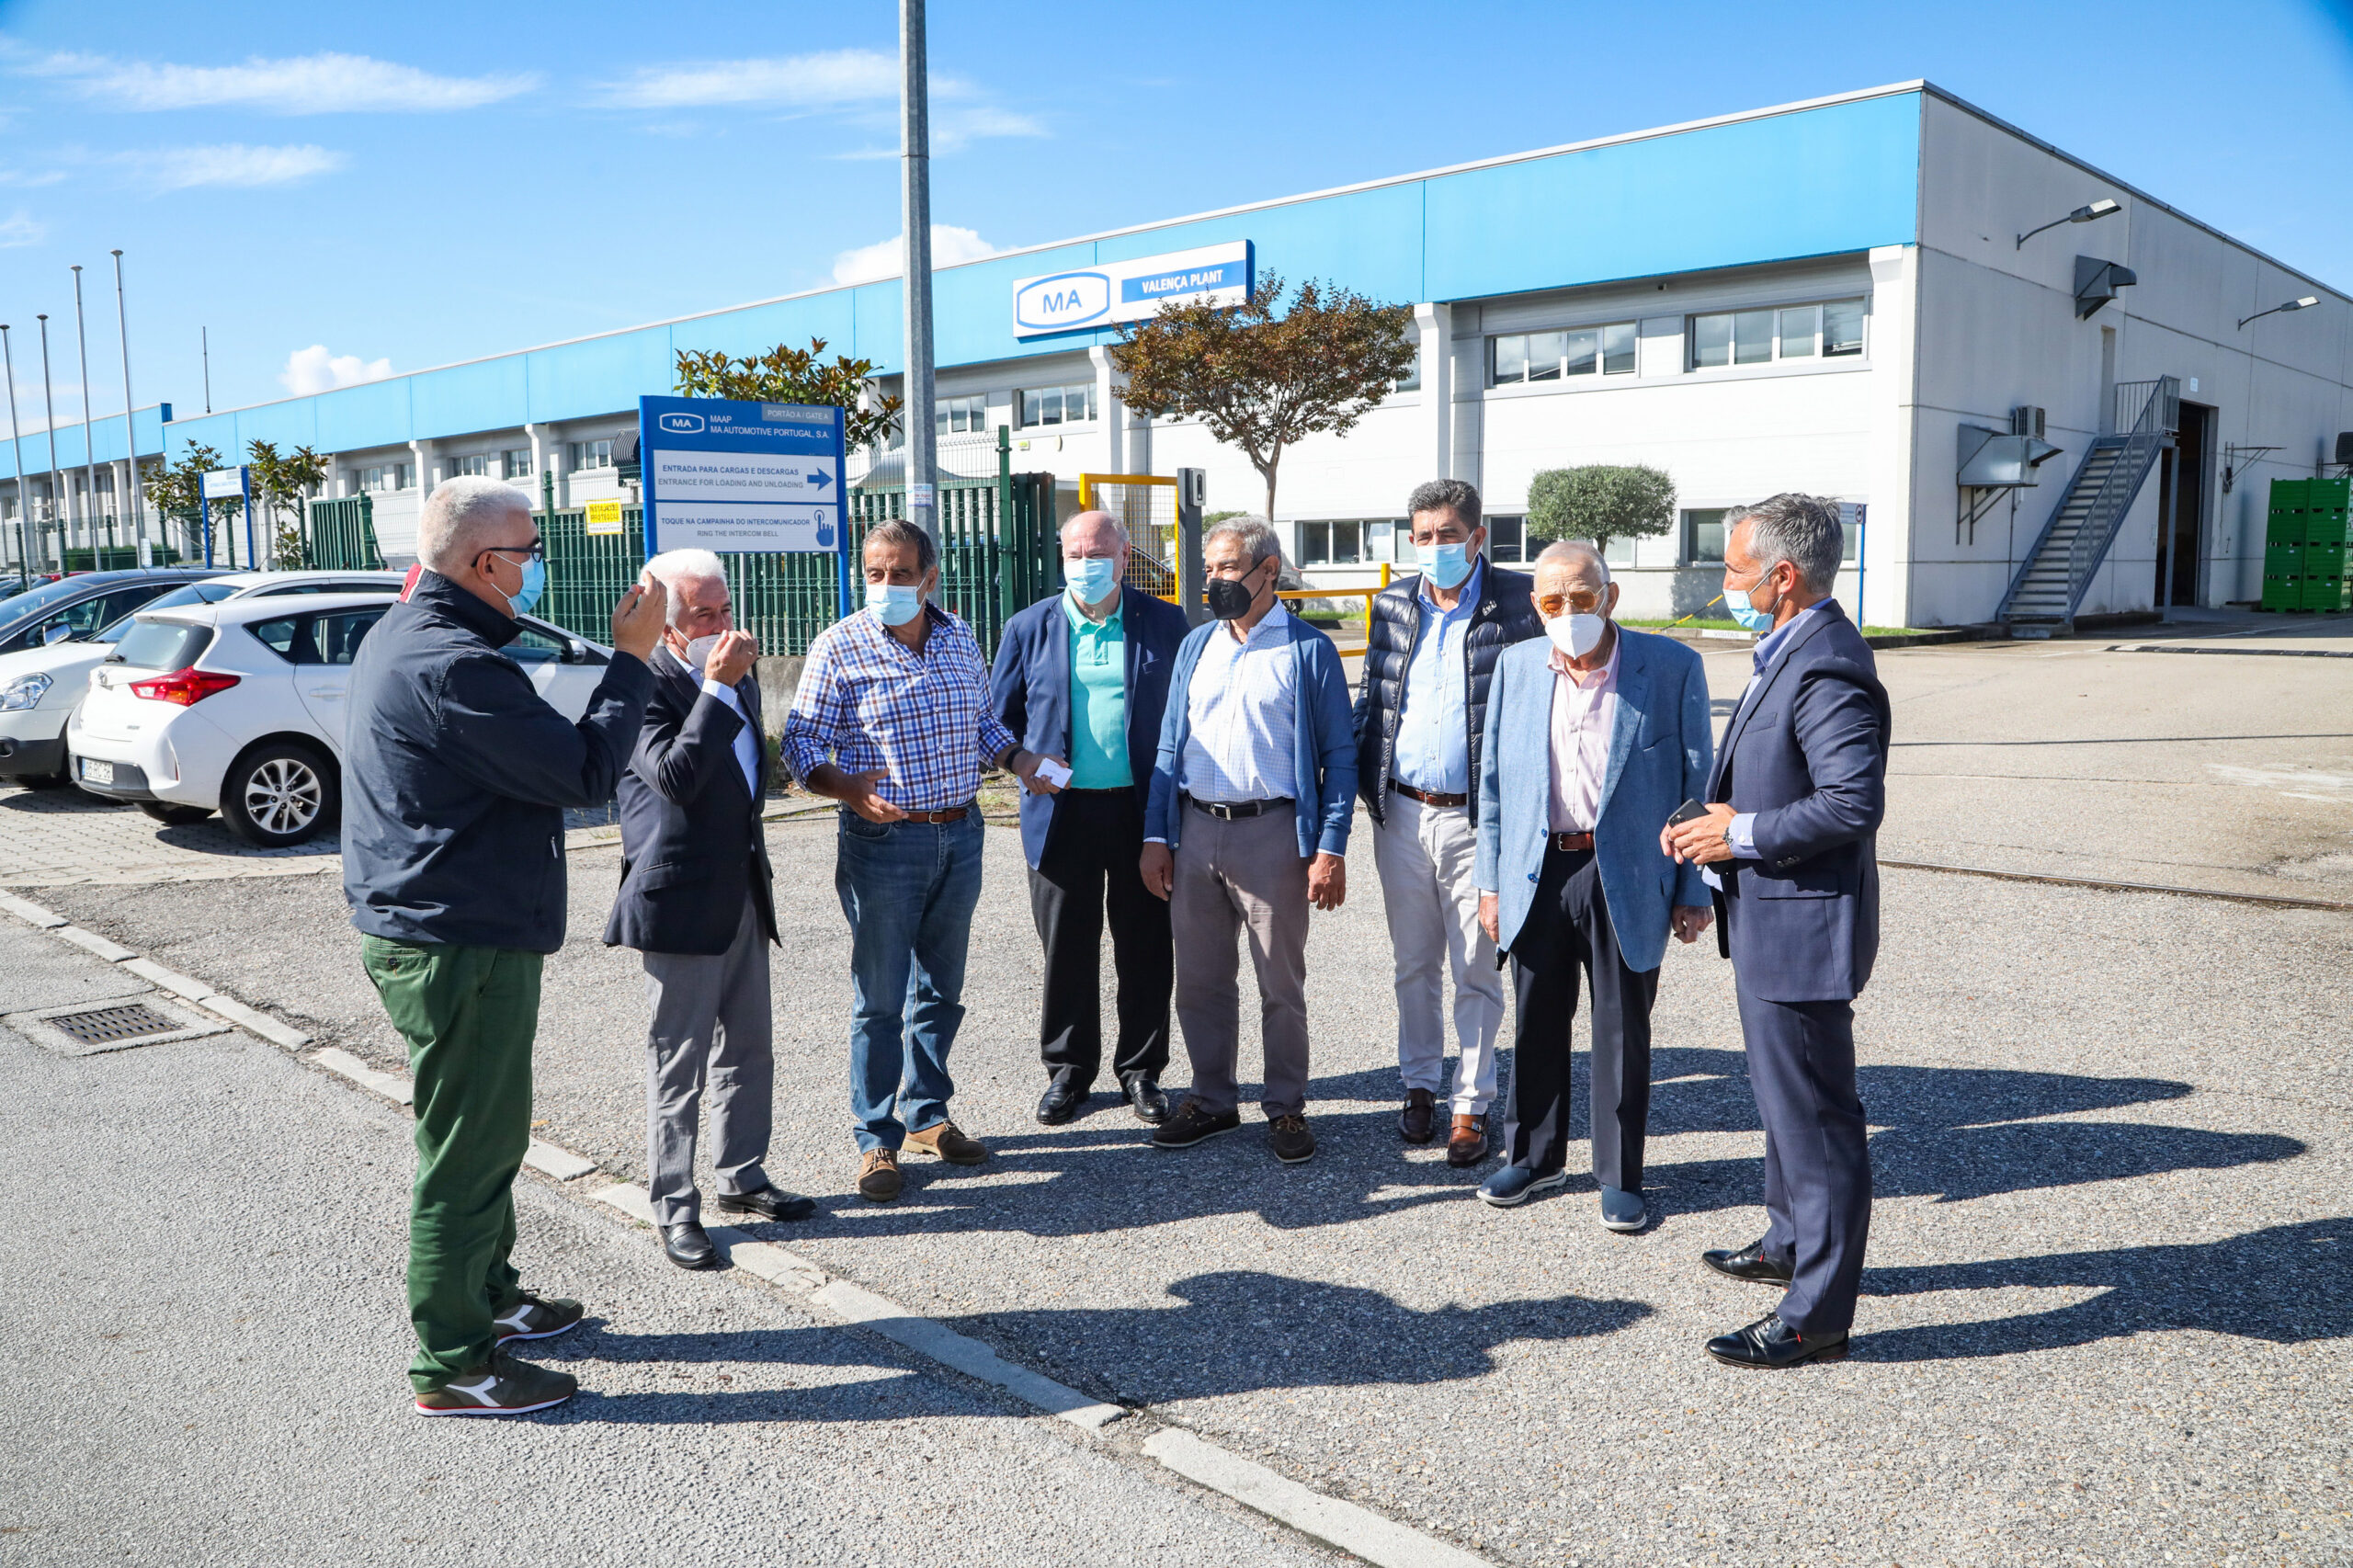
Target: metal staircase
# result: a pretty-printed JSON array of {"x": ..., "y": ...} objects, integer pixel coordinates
[{"x": 2057, "y": 572}]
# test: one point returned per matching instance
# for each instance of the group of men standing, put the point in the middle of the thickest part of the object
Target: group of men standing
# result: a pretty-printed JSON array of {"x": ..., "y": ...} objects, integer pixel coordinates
[{"x": 1541, "y": 783}]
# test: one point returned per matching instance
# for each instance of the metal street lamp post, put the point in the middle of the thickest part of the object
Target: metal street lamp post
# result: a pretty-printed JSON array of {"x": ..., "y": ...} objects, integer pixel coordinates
[
  {"x": 49, "y": 424},
  {"x": 130, "y": 432},
  {"x": 17, "y": 440},
  {"x": 914, "y": 191}
]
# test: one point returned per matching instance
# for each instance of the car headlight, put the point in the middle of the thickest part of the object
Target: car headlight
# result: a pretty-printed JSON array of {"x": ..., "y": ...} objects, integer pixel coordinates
[{"x": 25, "y": 691}]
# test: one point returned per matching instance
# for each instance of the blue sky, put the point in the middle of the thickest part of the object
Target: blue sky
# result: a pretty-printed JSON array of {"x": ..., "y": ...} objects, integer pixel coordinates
[{"x": 337, "y": 191}]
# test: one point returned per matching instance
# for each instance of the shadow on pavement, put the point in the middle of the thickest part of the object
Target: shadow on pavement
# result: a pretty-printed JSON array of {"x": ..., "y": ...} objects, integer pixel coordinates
[
  {"x": 882, "y": 1394},
  {"x": 2285, "y": 1284}
]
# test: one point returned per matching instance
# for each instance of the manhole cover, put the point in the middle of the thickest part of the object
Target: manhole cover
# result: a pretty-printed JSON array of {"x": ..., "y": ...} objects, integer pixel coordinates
[{"x": 102, "y": 1026}]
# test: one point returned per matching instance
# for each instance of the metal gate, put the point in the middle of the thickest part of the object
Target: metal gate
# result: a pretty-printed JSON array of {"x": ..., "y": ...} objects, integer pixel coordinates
[{"x": 340, "y": 536}]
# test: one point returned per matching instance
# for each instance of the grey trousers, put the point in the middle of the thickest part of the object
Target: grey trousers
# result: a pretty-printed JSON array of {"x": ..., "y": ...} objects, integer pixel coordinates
[
  {"x": 1235, "y": 877},
  {"x": 711, "y": 1027},
  {"x": 1425, "y": 856}
]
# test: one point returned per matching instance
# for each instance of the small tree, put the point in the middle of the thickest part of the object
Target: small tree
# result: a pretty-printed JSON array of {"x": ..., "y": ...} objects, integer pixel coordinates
[
  {"x": 284, "y": 484},
  {"x": 795, "y": 375},
  {"x": 1600, "y": 502},
  {"x": 1263, "y": 379},
  {"x": 177, "y": 490}
]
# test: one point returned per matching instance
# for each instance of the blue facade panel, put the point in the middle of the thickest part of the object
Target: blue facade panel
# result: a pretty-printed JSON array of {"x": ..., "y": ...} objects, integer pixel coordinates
[
  {"x": 106, "y": 436},
  {"x": 1822, "y": 181}
]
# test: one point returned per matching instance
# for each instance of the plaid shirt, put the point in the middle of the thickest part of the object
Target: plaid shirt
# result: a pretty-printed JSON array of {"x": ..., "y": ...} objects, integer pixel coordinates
[{"x": 867, "y": 701}]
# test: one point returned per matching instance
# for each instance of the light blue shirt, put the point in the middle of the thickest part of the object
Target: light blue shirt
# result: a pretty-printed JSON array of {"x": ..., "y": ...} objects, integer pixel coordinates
[
  {"x": 1741, "y": 833},
  {"x": 1433, "y": 720},
  {"x": 747, "y": 744}
]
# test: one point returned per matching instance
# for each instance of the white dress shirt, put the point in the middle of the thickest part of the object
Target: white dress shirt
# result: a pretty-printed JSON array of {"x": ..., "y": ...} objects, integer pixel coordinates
[
  {"x": 747, "y": 744},
  {"x": 1583, "y": 714},
  {"x": 1242, "y": 706}
]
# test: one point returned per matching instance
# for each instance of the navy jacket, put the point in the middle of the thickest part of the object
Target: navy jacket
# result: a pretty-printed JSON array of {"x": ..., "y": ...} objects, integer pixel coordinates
[
  {"x": 457, "y": 773},
  {"x": 1324, "y": 747},
  {"x": 1807, "y": 751},
  {"x": 1030, "y": 689},
  {"x": 1506, "y": 615},
  {"x": 692, "y": 849}
]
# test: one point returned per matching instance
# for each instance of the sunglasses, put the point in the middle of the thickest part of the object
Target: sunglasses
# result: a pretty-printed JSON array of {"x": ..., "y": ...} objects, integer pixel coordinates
[{"x": 1581, "y": 602}]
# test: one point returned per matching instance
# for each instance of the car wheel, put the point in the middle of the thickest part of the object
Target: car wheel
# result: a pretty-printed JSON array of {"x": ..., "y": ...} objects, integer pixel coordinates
[
  {"x": 279, "y": 792},
  {"x": 175, "y": 814}
]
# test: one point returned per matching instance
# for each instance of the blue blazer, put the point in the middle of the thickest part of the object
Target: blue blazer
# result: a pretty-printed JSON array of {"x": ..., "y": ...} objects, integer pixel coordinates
[
  {"x": 1659, "y": 747},
  {"x": 1807, "y": 751},
  {"x": 1323, "y": 756},
  {"x": 1030, "y": 689}
]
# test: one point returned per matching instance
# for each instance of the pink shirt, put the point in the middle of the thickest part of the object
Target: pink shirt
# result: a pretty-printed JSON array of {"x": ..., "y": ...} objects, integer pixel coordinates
[{"x": 1583, "y": 715}]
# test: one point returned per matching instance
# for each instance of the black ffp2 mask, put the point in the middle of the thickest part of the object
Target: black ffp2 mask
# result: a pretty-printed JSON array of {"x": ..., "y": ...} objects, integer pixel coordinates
[{"x": 1229, "y": 600}]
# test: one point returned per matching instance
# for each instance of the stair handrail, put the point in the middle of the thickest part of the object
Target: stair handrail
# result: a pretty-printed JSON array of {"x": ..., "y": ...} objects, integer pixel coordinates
[{"x": 2155, "y": 408}]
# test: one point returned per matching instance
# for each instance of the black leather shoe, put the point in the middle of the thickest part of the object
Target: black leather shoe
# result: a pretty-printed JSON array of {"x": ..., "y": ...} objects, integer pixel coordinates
[
  {"x": 1749, "y": 1263},
  {"x": 1769, "y": 1342},
  {"x": 689, "y": 1247},
  {"x": 767, "y": 1203},
  {"x": 1063, "y": 1098},
  {"x": 1417, "y": 1123},
  {"x": 1145, "y": 1097}
]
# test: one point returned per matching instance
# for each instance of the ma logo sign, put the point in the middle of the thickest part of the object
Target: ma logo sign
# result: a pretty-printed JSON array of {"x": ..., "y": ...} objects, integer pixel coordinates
[
  {"x": 682, "y": 424},
  {"x": 1066, "y": 300}
]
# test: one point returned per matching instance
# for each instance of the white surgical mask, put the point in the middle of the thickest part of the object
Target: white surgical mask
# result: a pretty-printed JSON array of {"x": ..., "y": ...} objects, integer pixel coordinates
[
  {"x": 698, "y": 654},
  {"x": 1577, "y": 635}
]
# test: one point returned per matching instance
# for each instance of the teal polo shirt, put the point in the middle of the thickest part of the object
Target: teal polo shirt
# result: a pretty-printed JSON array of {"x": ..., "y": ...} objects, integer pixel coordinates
[{"x": 1098, "y": 700}]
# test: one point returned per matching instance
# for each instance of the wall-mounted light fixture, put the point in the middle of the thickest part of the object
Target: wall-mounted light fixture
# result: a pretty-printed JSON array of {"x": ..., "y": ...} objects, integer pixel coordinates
[
  {"x": 2307, "y": 302},
  {"x": 2083, "y": 214}
]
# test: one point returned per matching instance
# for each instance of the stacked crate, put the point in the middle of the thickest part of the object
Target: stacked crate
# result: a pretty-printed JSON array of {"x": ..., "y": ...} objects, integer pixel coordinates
[{"x": 2304, "y": 546}]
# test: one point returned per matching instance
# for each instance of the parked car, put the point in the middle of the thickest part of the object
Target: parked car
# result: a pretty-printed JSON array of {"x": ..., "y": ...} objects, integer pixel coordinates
[
  {"x": 40, "y": 686},
  {"x": 238, "y": 707},
  {"x": 77, "y": 605}
]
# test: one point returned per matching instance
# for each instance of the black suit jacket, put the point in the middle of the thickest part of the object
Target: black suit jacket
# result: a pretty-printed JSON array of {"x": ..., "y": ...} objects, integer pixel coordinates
[
  {"x": 691, "y": 846},
  {"x": 1807, "y": 751}
]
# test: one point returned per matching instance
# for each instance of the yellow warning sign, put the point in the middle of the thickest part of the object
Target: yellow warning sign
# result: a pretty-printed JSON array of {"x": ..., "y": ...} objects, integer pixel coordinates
[{"x": 604, "y": 518}]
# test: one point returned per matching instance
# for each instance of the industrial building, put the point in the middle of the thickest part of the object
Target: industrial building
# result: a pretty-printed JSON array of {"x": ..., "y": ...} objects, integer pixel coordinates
[{"x": 2014, "y": 367}]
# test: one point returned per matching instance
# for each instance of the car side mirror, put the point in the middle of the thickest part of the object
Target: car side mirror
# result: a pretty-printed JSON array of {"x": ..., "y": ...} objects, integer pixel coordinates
[
  {"x": 575, "y": 651},
  {"x": 57, "y": 632}
]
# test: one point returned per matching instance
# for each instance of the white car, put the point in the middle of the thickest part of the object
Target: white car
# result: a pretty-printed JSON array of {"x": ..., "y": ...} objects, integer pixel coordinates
[
  {"x": 39, "y": 685},
  {"x": 238, "y": 707}
]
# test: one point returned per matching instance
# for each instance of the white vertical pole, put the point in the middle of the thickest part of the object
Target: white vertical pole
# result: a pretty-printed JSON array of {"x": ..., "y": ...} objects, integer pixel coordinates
[
  {"x": 17, "y": 440},
  {"x": 89, "y": 452},
  {"x": 130, "y": 432},
  {"x": 49, "y": 416},
  {"x": 914, "y": 191}
]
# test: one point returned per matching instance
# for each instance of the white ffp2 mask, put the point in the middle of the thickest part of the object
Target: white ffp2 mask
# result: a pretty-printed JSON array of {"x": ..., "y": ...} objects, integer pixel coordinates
[{"x": 1577, "y": 635}]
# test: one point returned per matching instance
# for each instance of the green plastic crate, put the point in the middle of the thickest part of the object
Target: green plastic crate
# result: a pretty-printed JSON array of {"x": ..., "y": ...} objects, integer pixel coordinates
[
  {"x": 2321, "y": 593},
  {"x": 2283, "y": 560},
  {"x": 2281, "y": 592}
]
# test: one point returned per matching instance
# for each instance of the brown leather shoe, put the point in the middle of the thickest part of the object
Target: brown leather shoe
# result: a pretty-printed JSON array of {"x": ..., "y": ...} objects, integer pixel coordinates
[
  {"x": 945, "y": 1141},
  {"x": 1417, "y": 1122},
  {"x": 1467, "y": 1144},
  {"x": 878, "y": 1175}
]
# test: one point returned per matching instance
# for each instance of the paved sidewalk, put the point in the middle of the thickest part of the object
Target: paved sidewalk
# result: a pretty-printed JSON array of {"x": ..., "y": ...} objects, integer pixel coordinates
[{"x": 200, "y": 1291}]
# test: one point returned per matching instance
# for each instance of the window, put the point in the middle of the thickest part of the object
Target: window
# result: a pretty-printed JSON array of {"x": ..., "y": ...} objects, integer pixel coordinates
[
  {"x": 473, "y": 465},
  {"x": 288, "y": 637},
  {"x": 1703, "y": 536},
  {"x": 1828, "y": 331},
  {"x": 516, "y": 462},
  {"x": 533, "y": 645},
  {"x": 1555, "y": 356},
  {"x": 1506, "y": 541},
  {"x": 404, "y": 476},
  {"x": 1072, "y": 405},
  {"x": 591, "y": 454},
  {"x": 1412, "y": 380},
  {"x": 387, "y": 476},
  {"x": 1337, "y": 543},
  {"x": 1381, "y": 539},
  {"x": 956, "y": 415},
  {"x": 337, "y": 637},
  {"x": 161, "y": 644}
]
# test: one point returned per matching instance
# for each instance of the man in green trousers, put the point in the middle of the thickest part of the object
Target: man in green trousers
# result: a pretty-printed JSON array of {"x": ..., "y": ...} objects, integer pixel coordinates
[{"x": 456, "y": 774}]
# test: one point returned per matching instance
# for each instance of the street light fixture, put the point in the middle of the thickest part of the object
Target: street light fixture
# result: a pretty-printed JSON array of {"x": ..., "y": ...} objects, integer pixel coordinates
[
  {"x": 2307, "y": 302},
  {"x": 2083, "y": 214}
]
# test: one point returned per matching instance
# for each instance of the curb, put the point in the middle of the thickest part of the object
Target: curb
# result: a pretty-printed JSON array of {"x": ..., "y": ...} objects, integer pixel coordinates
[{"x": 1350, "y": 1526}]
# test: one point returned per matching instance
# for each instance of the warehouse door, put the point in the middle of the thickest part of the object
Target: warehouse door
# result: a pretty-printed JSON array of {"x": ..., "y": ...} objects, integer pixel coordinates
[{"x": 2181, "y": 557}]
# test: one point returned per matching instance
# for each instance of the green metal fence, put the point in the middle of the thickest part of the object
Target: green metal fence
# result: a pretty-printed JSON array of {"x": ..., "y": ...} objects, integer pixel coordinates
[
  {"x": 997, "y": 555},
  {"x": 340, "y": 536}
]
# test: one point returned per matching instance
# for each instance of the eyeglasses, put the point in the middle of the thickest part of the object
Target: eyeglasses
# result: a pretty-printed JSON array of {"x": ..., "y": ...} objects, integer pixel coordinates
[
  {"x": 1582, "y": 602},
  {"x": 535, "y": 550}
]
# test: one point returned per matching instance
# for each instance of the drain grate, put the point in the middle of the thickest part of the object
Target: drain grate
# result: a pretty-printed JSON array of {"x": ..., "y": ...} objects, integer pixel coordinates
[{"x": 103, "y": 1026}]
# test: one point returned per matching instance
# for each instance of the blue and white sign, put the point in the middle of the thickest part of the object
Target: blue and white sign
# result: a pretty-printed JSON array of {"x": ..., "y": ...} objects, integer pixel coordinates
[
  {"x": 1131, "y": 290},
  {"x": 741, "y": 478}
]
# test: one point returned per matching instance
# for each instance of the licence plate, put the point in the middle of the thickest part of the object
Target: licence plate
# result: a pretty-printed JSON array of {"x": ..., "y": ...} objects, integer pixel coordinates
[{"x": 97, "y": 772}]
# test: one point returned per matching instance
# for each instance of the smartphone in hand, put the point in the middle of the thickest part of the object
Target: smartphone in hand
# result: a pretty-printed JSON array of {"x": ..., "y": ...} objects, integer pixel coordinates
[{"x": 1686, "y": 812}]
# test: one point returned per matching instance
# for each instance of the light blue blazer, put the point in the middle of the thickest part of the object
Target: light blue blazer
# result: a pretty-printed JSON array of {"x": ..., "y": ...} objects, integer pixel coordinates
[{"x": 1660, "y": 747}]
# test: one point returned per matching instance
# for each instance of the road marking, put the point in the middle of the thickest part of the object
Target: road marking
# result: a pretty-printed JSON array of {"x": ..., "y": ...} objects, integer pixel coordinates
[
  {"x": 1352, "y": 1528},
  {"x": 391, "y": 1087}
]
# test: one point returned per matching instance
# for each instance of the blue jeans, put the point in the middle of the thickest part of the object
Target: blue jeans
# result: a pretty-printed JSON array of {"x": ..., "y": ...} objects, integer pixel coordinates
[{"x": 908, "y": 891}]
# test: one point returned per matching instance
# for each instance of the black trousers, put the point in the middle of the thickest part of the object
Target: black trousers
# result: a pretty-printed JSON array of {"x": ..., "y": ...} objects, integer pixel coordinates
[
  {"x": 1089, "y": 870},
  {"x": 1817, "y": 1153},
  {"x": 1567, "y": 930}
]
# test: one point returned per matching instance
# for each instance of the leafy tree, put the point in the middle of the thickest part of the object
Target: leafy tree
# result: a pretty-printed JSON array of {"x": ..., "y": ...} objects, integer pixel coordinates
[
  {"x": 177, "y": 491},
  {"x": 794, "y": 375},
  {"x": 1263, "y": 378},
  {"x": 283, "y": 483},
  {"x": 1600, "y": 502}
]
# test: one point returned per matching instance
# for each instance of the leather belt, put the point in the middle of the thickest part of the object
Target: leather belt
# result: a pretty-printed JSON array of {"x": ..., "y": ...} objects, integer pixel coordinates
[
  {"x": 1234, "y": 811},
  {"x": 1429, "y": 797},
  {"x": 1571, "y": 843},
  {"x": 953, "y": 813}
]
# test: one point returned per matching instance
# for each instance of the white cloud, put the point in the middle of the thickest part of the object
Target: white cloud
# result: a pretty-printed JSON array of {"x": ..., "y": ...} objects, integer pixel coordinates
[
  {"x": 951, "y": 132},
  {"x": 309, "y": 83},
  {"x": 804, "y": 81},
  {"x": 313, "y": 369},
  {"x": 17, "y": 229},
  {"x": 887, "y": 258},
  {"x": 232, "y": 163}
]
